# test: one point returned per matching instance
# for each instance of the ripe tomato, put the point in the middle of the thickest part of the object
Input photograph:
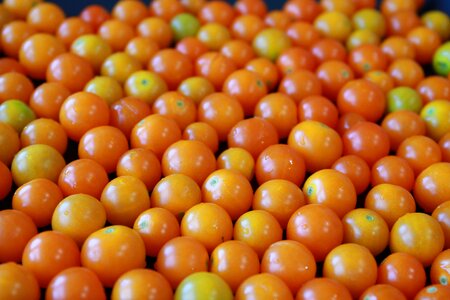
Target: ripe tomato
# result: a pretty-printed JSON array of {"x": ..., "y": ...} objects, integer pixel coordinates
[
  {"x": 44, "y": 131},
  {"x": 113, "y": 263},
  {"x": 49, "y": 253},
  {"x": 383, "y": 291},
  {"x": 400, "y": 125},
  {"x": 269, "y": 43},
  {"x": 434, "y": 291},
  {"x": 92, "y": 48},
  {"x": 237, "y": 159},
  {"x": 263, "y": 285},
  {"x": 108, "y": 88},
  {"x": 176, "y": 106},
  {"x": 300, "y": 84},
  {"x": 142, "y": 283},
  {"x": 323, "y": 288},
  {"x": 18, "y": 283},
  {"x": 442, "y": 215},
  {"x": 16, "y": 114},
  {"x": 46, "y": 100},
  {"x": 333, "y": 74},
  {"x": 436, "y": 115},
  {"x": 6, "y": 183},
  {"x": 78, "y": 216},
  {"x": 75, "y": 282},
  {"x": 72, "y": 28},
  {"x": 196, "y": 88},
  {"x": 203, "y": 285},
  {"x": 14, "y": 85},
  {"x": 356, "y": 170},
  {"x": 318, "y": 108},
  {"x": 439, "y": 268},
  {"x": 394, "y": 170},
  {"x": 203, "y": 132},
  {"x": 430, "y": 188}
]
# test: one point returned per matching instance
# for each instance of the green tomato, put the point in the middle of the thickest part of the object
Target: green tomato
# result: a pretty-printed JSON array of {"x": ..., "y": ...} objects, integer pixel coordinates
[
  {"x": 441, "y": 59},
  {"x": 403, "y": 98},
  {"x": 203, "y": 286},
  {"x": 269, "y": 43},
  {"x": 184, "y": 25},
  {"x": 16, "y": 113}
]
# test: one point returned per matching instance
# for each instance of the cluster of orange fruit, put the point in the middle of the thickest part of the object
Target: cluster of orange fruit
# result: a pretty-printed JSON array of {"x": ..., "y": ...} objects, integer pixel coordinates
[{"x": 208, "y": 150}]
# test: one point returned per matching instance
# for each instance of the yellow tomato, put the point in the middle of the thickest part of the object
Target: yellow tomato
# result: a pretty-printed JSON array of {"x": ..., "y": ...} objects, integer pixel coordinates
[
  {"x": 145, "y": 85},
  {"x": 106, "y": 87},
  {"x": 334, "y": 25},
  {"x": 436, "y": 115}
]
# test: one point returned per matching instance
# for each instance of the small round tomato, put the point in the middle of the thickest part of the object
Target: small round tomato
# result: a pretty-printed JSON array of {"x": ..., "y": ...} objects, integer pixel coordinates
[
  {"x": 436, "y": 115},
  {"x": 120, "y": 66},
  {"x": 181, "y": 257},
  {"x": 332, "y": 189},
  {"x": 319, "y": 144},
  {"x": 213, "y": 35},
  {"x": 94, "y": 15},
  {"x": 418, "y": 234},
  {"x": 16, "y": 230},
  {"x": 434, "y": 291},
  {"x": 323, "y": 288},
  {"x": 333, "y": 75},
  {"x": 300, "y": 84},
  {"x": 441, "y": 61},
  {"x": 291, "y": 261},
  {"x": 370, "y": 19},
  {"x": 49, "y": 253},
  {"x": 400, "y": 125},
  {"x": 237, "y": 159},
  {"x": 13, "y": 34},
  {"x": 356, "y": 169},
  {"x": 9, "y": 143},
  {"x": 367, "y": 228},
  {"x": 203, "y": 285},
  {"x": 366, "y": 58},
  {"x": 318, "y": 108},
  {"x": 406, "y": 72},
  {"x": 44, "y": 131},
  {"x": 380, "y": 78},
  {"x": 108, "y": 88},
  {"x": 176, "y": 106},
  {"x": 434, "y": 88},
  {"x": 317, "y": 227},
  {"x": 78, "y": 216},
  {"x": 403, "y": 98},
  {"x": 75, "y": 282},
  {"x": 303, "y": 34},
  {"x": 203, "y": 132},
  {"x": 141, "y": 163},
  {"x": 438, "y": 21},
  {"x": 269, "y": 43},
  {"x": 83, "y": 176},
  {"x": 83, "y": 111},
  {"x": 208, "y": 223},
  {"x": 444, "y": 144},
  {"x": 366, "y": 140},
  {"x": 6, "y": 183},
  {"x": 184, "y": 25},
  {"x": 215, "y": 67},
  {"x": 142, "y": 48},
  {"x": 103, "y": 144},
  {"x": 352, "y": 265},
  {"x": 72, "y": 28},
  {"x": 155, "y": 29},
  {"x": 142, "y": 283},
  {"x": 438, "y": 271},
  {"x": 14, "y": 85},
  {"x": 124, "y": 199},
  {"x": 403, "y": 271},
  {"x": 92, "y": 48},
  {"x": 130, "y": 12},
  {"x": 258, "y": 229},
  {"x": 172, "y": 66},
  {"x": 390, "y": 201},
  {"x": 383, "y": 291},
  {"x": 156, "y": 226},
  {"x": 113, "y": 263},
  {"x": 19, "y": 283},
  {"x": 16, "y": 113},
  {"x": 37, "y": 161},
  {"x": 333, "y": 24},
  {"x": 426, "y": 41},
  {"x": 263, "y": 285},
  {"x": 246, "y": 27},
  {"x": 230, "y": 190},
  {"x": 116, "y": 33},
  {"x": 295, "y": 58},
  {"x": 176, "y": 193},
  {"x": 253, "y": 134},
  {"x": 47, "y": 99},
  {"x": 394, "y": 170},
  {"x": 266, "y": 69},
  {"x": 398, "y": 47}
]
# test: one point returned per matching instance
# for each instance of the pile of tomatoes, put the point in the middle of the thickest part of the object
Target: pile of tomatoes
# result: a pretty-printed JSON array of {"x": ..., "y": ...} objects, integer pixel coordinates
[{"x": 208, "y": 150}]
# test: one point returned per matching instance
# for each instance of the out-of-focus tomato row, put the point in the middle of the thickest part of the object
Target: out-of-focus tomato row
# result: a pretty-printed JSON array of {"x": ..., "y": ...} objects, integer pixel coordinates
[{"x": 203, "y": 150}]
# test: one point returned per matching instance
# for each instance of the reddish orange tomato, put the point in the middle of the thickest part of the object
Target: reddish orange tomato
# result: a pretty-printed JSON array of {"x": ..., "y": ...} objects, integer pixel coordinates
[
  {"x": 418, "y": 234},
  {"x": 266, "y": 69},
  {"x": 203, "y": 132},
  {"x": 280, "y": 162},
  {"x": 439, "y": 268},
  {"x": 112, "y": 263},
  {"x": 155, "y": 133},
  {"x": 366, "y": 140},
  {"x": 323, "y": 288},
  {"x": 9, "y": 143},
  {"x": 166, "y": 9},
  {"x": 403, "y": 271},
  {"x": 208, "y": 223},
  {"x": 15, "y": 85},
  {"x": 302, "y": 10},
  {"x": 8, "y": 64},
  {"x": 402, "y": 22},
  {"x": 291, "y": 261},
  {"x": 366, "y": 58},
  {"x": 406, "y": 72},
  {"x": 16, "y": 230},
  {"x": 46, "y": 100},
  {"x": 434, "y": 291},
  {"x": 332, "y": 189},
  {"x": 45, "y": 17},
  {"x": 176, "y": 106},
  {"x": 217, "y": 11},
  {"x": 300, "y": 84},
  {"x": 311, "y": 225},
  {"x": 319, "y": 144},
  {"x": 348, "y": 120},
  {"x": 44, "y": 131},
  {"x": 333, "y": 75},
  {"x": 215, "y": 67},
  {"x": 234, "y": 261},
  {"x": 239, "y": 51},
  {"x": 124, "y": 199},
  {"x": 380, "y": 78},
  {"x": 192, "y": 47},
  {"x": 280, "y": 110},
  {"x": 72, "y": 28},
  {"x": 402, "y": 124},
  {"x": 383, "y": 291},
  {"x": 127, "y": 112},
  {"x": 83, "y": 176},
  {"x": 192, "y": 158},
  {"x": 83, "y": 111},
  {"x": 156, "y": 29},
  {"x": 420, "y": 152},
  {"x": 362, "y": 97},
  {"x": 356, "y": 169},
  {"x": 253, "y": 134},
  {"x": 103, "y": 144},
  {"x": 329, "y": 49},
  {"x": 393, "y": 170},
  {"x": 253, "y": 7},
  {"x": 442, "y": 214},
  {"x": 430, "y": 188},
  {"x": 19, "y": 283},
  {"x": 279, "y": 197},
  {"x": 258, "y": 229},
  {"x": 172, "y": 66},
  {"x": 302, "y": 34},
  {"x": 434, "y": 87},
  {"x": 13, "y": 34},
  {"x": 246, "y": 27},
  {"x": 156, "y": 226},
  {"x": 116, "y": 33},
  {"x": 444, "y": 144},
  {"x": 263, "y": 285},
  {"x": 352, "y": 265},
  {"x": 131, "y": 12},
  {"x": 230, "y": 190},
  {"x": 142, "y": 283},
  {"x": 295, "y": 58},
  {"x": 390, "y": 201},
  {"x": 318, "y": 108},
  {"x": 75, "y": 282},
  {"x": 94, "y": 15},
  {"x": 247, "y": 87},
  {"x": 38, "y": 199},
  {"x": 180, "y": 257},
  {"x": 49, "y": 253}
]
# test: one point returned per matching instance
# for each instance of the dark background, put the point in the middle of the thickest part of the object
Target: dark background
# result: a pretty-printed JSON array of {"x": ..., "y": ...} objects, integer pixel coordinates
[{"x": 73, "y": 7}]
